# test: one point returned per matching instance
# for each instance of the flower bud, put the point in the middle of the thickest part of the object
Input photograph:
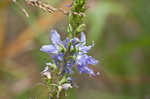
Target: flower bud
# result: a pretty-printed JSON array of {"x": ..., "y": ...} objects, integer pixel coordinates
[
  {"x": 66, "y": 86},
  {"x": 47, "y": 74}
]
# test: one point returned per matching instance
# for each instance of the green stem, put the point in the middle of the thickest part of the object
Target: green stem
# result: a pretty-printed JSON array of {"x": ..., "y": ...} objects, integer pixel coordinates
[
  {"x": 76, "y": 18},
  {"x": 75, "y": 27}
]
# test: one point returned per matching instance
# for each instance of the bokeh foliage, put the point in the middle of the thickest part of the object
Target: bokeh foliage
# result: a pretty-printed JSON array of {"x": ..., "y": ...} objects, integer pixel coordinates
[{"x": 120, "y": 29}]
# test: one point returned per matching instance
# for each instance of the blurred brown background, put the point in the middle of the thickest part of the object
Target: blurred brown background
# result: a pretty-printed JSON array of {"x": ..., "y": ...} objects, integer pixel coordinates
[{"x": 120, "y": 29}]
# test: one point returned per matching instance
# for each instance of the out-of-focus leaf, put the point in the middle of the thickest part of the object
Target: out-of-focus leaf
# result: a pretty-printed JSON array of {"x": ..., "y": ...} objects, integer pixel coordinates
[
  {"x": 37, "y": 92},
  {"x": 141, "y": 42},
  {"x": 95, "y": 94},
  {"x": 43, "y": 23},
  {"x": 2, "y": 28},
  {"x": 4, "y": 3},
  {"x": 98, "y": 15},
  {"x": 72, "y": 94},
  {"x": 3, "y": 20}
]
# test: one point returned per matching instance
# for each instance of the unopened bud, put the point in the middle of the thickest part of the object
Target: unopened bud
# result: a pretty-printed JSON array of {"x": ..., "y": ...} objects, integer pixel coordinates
[
  {"x": 60, "y": 88},
  {"x": 47, "y": 74},
  {"x": 66, "y": 86}
]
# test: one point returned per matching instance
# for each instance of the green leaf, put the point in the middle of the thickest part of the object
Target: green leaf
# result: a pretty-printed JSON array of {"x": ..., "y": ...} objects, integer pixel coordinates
[{"x": 97, "y": 17}]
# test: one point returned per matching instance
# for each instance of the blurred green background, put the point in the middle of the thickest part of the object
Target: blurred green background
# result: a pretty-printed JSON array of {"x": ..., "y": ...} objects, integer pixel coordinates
[{"x": 120, "y": 29}]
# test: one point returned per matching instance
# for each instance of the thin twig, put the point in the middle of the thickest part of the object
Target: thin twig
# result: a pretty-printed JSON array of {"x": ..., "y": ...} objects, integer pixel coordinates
[{"x": 49, "y": 8}]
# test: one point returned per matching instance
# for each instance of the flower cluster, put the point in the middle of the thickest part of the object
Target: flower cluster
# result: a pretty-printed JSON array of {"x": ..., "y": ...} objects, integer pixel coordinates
[
  {"x": 66, "y": 55},
  {"x": 69, "y": 53}
]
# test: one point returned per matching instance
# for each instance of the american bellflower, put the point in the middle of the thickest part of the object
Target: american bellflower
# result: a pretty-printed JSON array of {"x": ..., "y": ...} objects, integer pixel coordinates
[{"x": 71, "y": 52}]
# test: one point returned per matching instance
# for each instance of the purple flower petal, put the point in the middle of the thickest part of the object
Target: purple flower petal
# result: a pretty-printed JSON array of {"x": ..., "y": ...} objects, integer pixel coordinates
[
  {"x": 85, "y": 49},
  {"x": 83, "y": 37},
  {"x": 85, "y": 69},
  {"x": 55, "y": 38},
  {"x": 92, "y": 61},
  {"x": 74, "y": 41},
  {"x": 49, "y": 49},
  {"x": 58, "y": 56},
  {"x": 69, "y": 5},
  {"x": 82, "y": 62},
  {"x": 66, "y": 42},
  {"x": 68, "y": 66},
  {"x": 82, "y": 59}
]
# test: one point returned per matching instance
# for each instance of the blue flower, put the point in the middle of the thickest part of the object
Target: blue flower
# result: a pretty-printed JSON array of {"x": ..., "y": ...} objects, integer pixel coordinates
[
  {"x": 55, "y": 49},
  {"x": 82, "y": 62},
  {"x": 68, "y": 66},
  {"x": 50, "y": 49},
  {"x": 76, "y": 54},
  {"x": 56, "y": 46},
  {"x": 55, "y": 38},
  {"x": 83, "y": 48},
  {"x": 66, "y": 42},
  {"x": 82, "y": 59},
  {"x": 83, "y": 37},
  {"x": 85, "y": 69}
]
